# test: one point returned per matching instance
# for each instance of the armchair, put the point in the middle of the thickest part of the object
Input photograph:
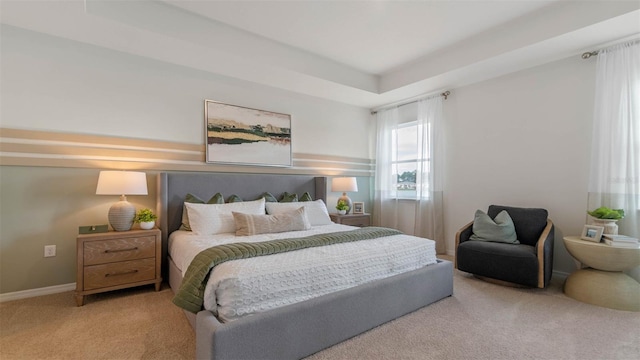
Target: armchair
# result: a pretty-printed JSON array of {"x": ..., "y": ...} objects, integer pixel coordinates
[{"x": 529, "y": 263}]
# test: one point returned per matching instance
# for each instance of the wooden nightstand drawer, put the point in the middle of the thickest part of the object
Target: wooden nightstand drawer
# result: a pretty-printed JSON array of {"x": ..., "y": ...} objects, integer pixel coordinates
[
  {"x": 117, "y": 260},
  {"x": 361, "y": 220},
  {"x": 109, "y": 251},
  {"x": 356, "y": 221},
  {"x": 126, "y": 272}
]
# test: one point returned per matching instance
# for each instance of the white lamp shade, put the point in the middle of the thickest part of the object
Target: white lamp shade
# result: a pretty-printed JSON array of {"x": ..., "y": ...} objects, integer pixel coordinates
[
  {"x": 344, "y": 184},
  {"x": 122, "y": 183},
  {"x": 122, "y": 213}
]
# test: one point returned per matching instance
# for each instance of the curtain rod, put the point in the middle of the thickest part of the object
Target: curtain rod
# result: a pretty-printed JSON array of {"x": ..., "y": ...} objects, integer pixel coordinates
[
  {"x": 630, "y": 39},
  {"x": 445, "y": 94}
]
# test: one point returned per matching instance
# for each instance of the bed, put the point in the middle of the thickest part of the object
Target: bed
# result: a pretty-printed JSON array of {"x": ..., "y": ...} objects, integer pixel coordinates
[{"x": 303, "y": 328}]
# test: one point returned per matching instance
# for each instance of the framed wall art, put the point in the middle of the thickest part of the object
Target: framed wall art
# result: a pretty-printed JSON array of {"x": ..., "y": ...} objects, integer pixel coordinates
[{"x": 246, "y": 136}]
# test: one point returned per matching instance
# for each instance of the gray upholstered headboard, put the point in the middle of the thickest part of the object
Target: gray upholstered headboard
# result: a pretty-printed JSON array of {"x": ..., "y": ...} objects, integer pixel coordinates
[{"x": 173, "y": 187}]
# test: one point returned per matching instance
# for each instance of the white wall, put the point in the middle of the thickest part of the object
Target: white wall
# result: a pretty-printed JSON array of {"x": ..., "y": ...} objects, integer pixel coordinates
[
  {"x": 53, "y": 84},
  {"x": 522, "y": 140},
  {"x": 49, "y": 83}
]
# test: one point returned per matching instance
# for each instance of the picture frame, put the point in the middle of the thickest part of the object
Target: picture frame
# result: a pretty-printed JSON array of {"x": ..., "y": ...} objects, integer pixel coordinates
[
  {"x": 592, "y": 233},
  {"x": 358, "y": 207},
  {"x": 245, "y": 136}
]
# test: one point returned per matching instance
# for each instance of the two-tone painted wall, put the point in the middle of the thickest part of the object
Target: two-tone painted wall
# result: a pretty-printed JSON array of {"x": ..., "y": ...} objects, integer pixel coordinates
[{"x": 70, "y": 110}]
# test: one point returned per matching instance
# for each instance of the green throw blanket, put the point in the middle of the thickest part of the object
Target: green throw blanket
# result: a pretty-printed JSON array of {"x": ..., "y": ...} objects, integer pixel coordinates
[{"x": 191, "y": 293}]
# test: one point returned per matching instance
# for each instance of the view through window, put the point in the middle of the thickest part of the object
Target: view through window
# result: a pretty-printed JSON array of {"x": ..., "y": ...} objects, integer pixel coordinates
[{"x": 406, "y": 158}]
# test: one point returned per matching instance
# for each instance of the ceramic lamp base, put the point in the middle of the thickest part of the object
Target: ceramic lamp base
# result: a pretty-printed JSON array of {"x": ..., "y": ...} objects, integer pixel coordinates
[{"x": 121, "y": 215}]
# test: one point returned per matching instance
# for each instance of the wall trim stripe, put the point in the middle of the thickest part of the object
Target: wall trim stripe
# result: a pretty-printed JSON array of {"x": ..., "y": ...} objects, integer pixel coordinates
[
  {"x": 91, "y": 145},
  {"x": 54, "y": 149}
]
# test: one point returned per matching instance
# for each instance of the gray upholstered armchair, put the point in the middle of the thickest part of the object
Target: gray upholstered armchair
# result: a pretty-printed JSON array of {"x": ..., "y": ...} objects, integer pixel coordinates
[{"x": 529, "y": 263}]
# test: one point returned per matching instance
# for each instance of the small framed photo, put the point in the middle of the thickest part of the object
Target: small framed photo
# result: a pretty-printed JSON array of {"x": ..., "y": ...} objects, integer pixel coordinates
[
  {"x": 358, "y": 208},
  {"x": 592, "y": 233}
]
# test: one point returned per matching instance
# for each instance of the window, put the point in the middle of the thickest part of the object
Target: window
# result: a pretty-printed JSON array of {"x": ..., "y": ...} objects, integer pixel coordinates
[{"x": 406, "y": 160}]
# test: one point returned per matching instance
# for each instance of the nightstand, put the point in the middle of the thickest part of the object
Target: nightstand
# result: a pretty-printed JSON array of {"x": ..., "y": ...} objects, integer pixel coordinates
[
  {"x": 117, "y": 260},
  {"x": 361, "y": 220},
  {"x": 603, "y": 282}
]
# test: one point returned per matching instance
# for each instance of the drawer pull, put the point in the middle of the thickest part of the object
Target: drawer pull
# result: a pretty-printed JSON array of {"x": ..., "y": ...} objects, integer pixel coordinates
[
  {"x": 120, "y": 250},
  {"x": 121, "y": 273}
]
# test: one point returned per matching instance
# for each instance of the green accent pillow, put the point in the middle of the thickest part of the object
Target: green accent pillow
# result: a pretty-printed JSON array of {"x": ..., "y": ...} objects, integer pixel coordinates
[
  {"x": 286, "y": 197},
  {"x": 500, "y": 229},
  {"x": 306, "y": 197},
  {"x": 190, "y": 198},
  {"x": 234, "y": 199},
  {"x": 215, "y": 199},
  {"x": 268, "y": 197}
]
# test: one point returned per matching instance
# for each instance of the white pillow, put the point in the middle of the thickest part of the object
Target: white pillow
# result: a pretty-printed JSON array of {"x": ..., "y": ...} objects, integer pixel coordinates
[
  {"x": 247, "y": 224},
  {"x": 316, "y": 210},
  {"x": 211, "y": 219}
]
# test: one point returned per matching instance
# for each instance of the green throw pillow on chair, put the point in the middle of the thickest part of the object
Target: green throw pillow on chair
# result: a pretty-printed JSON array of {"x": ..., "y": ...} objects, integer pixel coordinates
[{"x": 500, "y": 229}]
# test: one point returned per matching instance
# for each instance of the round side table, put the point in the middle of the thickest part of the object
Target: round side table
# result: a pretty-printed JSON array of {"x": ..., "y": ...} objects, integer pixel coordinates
[{"x": 603, "y": 283}]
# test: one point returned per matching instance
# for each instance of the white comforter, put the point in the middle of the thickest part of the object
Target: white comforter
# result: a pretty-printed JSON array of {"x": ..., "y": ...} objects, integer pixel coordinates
[{"x": 243, "y": 287}]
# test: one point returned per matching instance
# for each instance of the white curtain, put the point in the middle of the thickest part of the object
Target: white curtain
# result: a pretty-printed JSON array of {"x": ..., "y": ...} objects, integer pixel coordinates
[
  {"x": 615, "y": 156},
  {"x": 425, "y": 205},
  {"x": 385, "y": 202}
]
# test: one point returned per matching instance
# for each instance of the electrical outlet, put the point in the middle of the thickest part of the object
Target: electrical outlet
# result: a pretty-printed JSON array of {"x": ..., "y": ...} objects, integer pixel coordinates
[{"x": 49, "y": 250}]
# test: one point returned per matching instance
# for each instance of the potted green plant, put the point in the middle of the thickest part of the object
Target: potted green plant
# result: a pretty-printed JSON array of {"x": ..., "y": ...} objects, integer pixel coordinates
[
  {"x": 342, "y": 207},
  {"x": 604, "y": 212},
  {"x": 607, "y": 217},
  {"x": 146, "y": 218}
]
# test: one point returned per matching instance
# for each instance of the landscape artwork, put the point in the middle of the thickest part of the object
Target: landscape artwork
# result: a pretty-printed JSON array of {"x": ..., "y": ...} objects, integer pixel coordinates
[{"x": 241, "y": 135}]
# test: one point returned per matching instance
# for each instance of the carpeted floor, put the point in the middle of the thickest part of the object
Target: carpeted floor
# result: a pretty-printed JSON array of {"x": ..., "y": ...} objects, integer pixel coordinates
[
  {"x": 134, "y": 323},
  {"x": 481, "y": 321}
]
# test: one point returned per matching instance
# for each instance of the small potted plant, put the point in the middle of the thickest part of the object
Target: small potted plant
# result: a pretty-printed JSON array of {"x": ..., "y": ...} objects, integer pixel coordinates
[
  {"x": 342, "y": 207},
  {"x": 607, "y": 218},
  {"x": 146, "y": 218}
]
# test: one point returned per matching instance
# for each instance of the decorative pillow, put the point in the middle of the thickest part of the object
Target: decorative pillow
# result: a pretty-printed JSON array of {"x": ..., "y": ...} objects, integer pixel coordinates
[
  {"x": 306, "y": 197},
  {"x": 215, "y": 199},
  {"x": 268, "y": 197},
  {"x": 286, "y": 197},
  {"x": 247, "y": 224},
  {"x": 316, "y": 210},
  {"x": 210, "y": 219},
  {"x": 234, "y": 199},
  {"x": 500, "y": 229},
  {"x": 190, "y": 198}
]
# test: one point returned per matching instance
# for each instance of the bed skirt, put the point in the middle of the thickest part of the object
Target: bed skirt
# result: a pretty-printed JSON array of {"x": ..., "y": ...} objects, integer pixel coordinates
[{"x": 299, "y": 330}]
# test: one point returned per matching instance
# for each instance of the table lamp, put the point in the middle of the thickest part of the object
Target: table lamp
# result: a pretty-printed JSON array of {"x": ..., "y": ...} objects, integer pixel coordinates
[
  {"x": 344, "y": 184},
  {"x": 122, "y": 213}
]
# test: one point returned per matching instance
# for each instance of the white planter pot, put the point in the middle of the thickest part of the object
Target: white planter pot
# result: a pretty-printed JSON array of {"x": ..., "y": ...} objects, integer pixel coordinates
[
  {"x": 147, "y": 225},
  {"x": 610, "y": 226}
]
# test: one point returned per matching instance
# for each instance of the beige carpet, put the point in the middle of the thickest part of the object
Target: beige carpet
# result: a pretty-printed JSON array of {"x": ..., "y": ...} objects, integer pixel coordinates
[
  {"x": 481, "y": 321},
  {"x": 126, "y": 324}
]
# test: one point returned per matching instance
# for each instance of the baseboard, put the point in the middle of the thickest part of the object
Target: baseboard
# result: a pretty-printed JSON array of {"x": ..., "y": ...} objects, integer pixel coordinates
[
  {"x": 560, "y": 274},
  {"x": 37, "y": 292}
]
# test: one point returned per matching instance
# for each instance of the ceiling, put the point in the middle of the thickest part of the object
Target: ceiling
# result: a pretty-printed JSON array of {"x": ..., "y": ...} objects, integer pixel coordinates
[{"x": 363, "y": 53}]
